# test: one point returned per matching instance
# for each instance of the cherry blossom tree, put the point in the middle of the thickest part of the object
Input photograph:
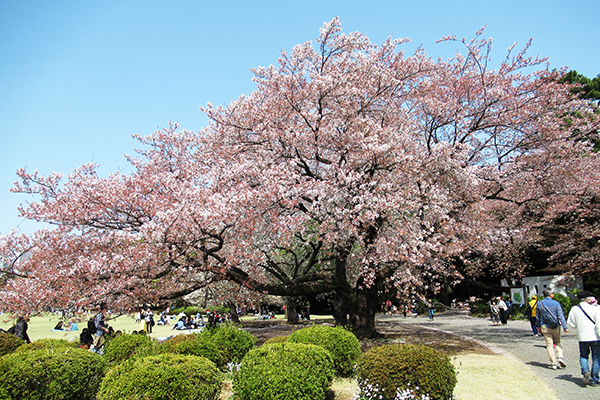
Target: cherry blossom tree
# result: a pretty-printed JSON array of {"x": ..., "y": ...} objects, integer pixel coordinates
[{"x": 352, "y": 167}]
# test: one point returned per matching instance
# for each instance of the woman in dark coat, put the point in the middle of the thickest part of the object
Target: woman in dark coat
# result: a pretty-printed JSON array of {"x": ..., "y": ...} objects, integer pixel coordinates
[{"x": 21, "y": 328}]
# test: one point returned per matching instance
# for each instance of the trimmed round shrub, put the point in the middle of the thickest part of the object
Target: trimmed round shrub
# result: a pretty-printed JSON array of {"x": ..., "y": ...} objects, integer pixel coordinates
[
  {"x": 283, "y": 371},
  {"x": 197, "y": 344},
  {"x": 342, "y": 344},
  {"x": 418, "y": 369},
  {"x": 125, "y": 347},
  {"x": 9, "y": 343},
  {"x": 233, "y": 342},
  {"x": 222, "y": 344},
  {"x": 68, "y": 374},
  {"x": 162, "y": 377},
  {"x": 49, "y": 345}
]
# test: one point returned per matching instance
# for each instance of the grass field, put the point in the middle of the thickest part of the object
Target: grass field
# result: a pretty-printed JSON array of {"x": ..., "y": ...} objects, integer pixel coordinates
[{"x": 40, "y": 327}]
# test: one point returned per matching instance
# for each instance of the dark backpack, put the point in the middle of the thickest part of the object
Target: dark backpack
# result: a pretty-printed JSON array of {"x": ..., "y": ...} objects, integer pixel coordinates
[
  {"x": 528, "y": 310},
  {"x": 550, "y": 318},
  {"x": 91, "y": 326}
]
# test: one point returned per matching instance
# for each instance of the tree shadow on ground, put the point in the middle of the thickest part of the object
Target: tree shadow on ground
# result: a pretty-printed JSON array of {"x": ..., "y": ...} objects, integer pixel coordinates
[
  {"x": 444, "y": 342},
  {"x": 390, "y": 332}
]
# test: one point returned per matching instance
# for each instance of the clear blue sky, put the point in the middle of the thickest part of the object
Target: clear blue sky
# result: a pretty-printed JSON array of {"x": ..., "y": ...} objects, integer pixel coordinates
[{"x": 78, "y": 78}]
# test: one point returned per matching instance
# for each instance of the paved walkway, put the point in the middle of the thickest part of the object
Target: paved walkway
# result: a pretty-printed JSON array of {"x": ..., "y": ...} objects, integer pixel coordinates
[{"x": 516, "y": 339}]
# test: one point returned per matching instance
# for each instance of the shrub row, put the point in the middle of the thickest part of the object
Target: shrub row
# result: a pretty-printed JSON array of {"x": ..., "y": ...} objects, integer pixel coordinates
[
  {"x": 221, "y": 344},
  {"x": 136, "y": 367},
  {"x": 300, "y": 366}
]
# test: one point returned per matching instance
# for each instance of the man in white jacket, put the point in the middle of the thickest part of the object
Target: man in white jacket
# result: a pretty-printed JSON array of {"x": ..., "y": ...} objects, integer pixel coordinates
[{"x": 582, "y": 317}]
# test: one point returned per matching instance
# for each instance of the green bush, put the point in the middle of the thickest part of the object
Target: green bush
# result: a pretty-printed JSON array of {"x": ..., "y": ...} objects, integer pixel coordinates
[
  {"x": 565, "y": 303},
  {"x": 124, "y": 347},
  {"x": 283, "y": 371},
  {"x": 233, "y": 342},
  {"x": 192, "y": 310},
  {"x": 49, "y": 345},
  {"x": 9, "y": 343},
  {"x": 222, "y": 344},
  {"x": 176, "y": 311},
  {"x": 399, "y": 367},
  {"x": 197, "y": 344},
  {"x": 343, "y": 346},
  {"x": 162, "y": 377},
  {"x": 65, "y": 374},
  {"x": 518, "y": 311},
  {"x": 479, "y": 307}
]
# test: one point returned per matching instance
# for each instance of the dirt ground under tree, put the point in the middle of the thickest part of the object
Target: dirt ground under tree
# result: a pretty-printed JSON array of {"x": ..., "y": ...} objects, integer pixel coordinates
[{"x": 390, "y": 332}]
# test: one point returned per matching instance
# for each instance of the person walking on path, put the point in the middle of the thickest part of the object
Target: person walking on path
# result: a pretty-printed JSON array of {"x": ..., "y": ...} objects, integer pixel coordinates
[
  {"x": 503, "y": 308},
  {"x": 430, "y": 309},
  {"x": 530, "y": 313},
  {"x": 550, "y": 318},
  {"x": 495, "y": 312},
  {"x": 583, "y": 317}
]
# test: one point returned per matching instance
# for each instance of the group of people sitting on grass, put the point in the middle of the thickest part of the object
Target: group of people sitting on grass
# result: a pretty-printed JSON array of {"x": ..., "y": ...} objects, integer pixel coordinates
[
  {"x": 197, "y": 322},
  {"x": 270, "y": 315},
  {"x": 68, "y": 326}
]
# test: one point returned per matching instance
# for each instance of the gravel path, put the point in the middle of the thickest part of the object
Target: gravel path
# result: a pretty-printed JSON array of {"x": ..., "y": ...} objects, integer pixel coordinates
[{"x": 515, "y": 339}]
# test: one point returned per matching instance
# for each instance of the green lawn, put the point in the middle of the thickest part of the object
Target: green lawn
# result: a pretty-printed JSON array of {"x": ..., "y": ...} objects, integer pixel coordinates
[{"x": 40, "y": 327}]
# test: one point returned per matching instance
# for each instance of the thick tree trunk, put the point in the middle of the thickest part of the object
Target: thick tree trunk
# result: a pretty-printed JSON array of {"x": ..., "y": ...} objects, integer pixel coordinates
[
  {"x": 233, "y": 311},
  {"x": 290, "y": 310},
  {"x": 356, "y": 310},
  {"x": 362, "y": 312},
  {"x": 340, "y": 310}
]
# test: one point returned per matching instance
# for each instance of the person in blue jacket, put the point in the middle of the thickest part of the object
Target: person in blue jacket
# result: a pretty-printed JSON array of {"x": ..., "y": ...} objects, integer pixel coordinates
[{"x": 550, "y": 318}]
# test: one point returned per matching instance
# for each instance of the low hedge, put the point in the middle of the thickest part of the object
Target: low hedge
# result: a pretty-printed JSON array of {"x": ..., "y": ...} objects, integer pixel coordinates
[
  {"x": 164, "y": 377},
  {"x": 283, "y": 371},
  {"x": 415, "y": 368},
  {"x": 65, "y": 374},
  {"x": 343, "y": 346}
]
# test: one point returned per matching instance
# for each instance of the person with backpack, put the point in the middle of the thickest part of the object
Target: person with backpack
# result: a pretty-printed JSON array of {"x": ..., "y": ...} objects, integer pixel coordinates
[
  {"x": 149, "y": 318},
  {"x": 585, "y": 317},
  {"x": 550, "y": 318},
  {"x": 101, "y": 329},
  {"x": 530, "y": 312},
  {"x": 86, "y": 338}
]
